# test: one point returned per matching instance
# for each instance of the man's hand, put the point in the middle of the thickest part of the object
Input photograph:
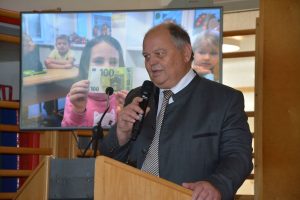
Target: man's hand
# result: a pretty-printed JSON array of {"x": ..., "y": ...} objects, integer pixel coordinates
[
  {"x": 126, "y": 118},
  {"x": 203, "y": 190},
  {"x": 120, "y": 97}
]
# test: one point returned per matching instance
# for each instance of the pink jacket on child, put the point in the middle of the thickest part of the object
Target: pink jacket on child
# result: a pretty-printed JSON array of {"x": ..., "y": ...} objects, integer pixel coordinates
[{"x": 96, "y": 105}]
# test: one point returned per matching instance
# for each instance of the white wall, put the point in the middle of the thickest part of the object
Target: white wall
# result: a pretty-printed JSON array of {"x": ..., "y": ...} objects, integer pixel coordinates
[
  {"x": 10, "y": 75},
  {"x": 9, "y": 67}
]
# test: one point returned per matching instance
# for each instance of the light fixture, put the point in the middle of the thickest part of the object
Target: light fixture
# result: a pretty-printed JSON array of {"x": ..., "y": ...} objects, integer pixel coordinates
[{"x": 230, "y": 45}]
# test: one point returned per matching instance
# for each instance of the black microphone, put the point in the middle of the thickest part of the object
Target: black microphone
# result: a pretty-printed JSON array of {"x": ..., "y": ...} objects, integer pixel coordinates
[
  {"x": 98, "y": 130},
  {"x": 146, "y": 91},
  {"x": 109, "y": 91}
]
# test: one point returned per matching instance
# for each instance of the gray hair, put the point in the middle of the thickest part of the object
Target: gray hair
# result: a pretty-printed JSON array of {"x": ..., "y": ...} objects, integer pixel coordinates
[{"x": 179, "y": 36}]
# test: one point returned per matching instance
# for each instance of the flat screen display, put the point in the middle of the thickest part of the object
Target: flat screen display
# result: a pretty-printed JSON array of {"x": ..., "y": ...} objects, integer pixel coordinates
[{"x": 60, "y": 51}]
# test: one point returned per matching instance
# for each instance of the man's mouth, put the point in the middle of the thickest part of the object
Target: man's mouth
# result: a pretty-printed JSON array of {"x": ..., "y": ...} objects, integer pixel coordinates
[
  {"x": 156, "y": 72},
  {"x": 204, "y": 64}
]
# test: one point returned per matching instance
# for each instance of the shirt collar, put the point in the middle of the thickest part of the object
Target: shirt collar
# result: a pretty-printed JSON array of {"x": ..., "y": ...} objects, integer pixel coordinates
[{"x": 185, "y": 80}]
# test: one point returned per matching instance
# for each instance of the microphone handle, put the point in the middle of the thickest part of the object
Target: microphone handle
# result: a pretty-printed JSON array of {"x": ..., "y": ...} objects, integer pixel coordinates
[
  {"x": 138, "y": 124},
  {"x": 107, "y": 108}
]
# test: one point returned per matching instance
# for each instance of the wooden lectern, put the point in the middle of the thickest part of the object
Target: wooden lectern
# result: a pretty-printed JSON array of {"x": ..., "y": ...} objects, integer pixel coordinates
[{"x": 112, "y": 180}]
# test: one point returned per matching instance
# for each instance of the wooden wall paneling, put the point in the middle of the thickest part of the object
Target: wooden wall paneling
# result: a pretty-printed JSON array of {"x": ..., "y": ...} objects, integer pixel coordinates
[
  {"x": 42, "y": 151},
  {"x": 10, "y": 17},
  {"x": 62, "y": 143},
  {"x": 66, "y": 144},
  {"x": 239, "y": 20},
  {"x": 47, "y": 140},
  {"x": 9, "y": 14},
  {"x": 9, "y": 38},
  {"x": 258, "y": 166},
  {"x": 280, "y": 31}
]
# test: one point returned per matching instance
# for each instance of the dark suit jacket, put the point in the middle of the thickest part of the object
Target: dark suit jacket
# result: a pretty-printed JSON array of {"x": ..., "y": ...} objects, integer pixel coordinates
[{"x": 204, "y": 136}]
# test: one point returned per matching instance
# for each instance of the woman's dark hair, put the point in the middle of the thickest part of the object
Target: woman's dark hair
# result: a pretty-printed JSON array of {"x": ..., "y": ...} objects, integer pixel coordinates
[{"x": 86, "y": 53}]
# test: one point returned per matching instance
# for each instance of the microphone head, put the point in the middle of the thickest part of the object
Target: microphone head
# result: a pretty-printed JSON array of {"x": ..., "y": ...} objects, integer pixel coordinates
[
  {"x": 109, "y": 91},
  {"x": 147, "y": 88}
]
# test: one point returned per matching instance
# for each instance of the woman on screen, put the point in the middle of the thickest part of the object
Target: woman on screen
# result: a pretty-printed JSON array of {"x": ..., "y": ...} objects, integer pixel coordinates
[{"x": 83, "y": 108}]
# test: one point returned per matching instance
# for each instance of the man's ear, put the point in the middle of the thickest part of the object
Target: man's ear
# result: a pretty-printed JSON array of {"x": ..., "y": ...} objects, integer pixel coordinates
[{"x": 187, "y": 52}]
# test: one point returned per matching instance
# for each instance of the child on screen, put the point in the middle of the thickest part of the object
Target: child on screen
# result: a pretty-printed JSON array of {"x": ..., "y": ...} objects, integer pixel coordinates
[
  {"x": 84, "y": 109},
  {"x": 62, "y": 57},
  {"x": 206, "y": 54}
]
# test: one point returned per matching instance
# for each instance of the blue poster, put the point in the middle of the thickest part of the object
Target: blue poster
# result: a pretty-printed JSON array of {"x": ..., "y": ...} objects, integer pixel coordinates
[{"x": 173, "y": 16}]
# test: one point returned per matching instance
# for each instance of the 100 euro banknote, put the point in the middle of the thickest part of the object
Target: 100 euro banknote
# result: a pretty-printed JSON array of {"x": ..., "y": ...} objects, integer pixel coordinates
[{"x": 119, "y": 78}]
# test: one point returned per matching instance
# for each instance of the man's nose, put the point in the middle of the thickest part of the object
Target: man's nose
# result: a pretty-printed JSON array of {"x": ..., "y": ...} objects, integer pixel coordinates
[{"x": 152, "y": 60}]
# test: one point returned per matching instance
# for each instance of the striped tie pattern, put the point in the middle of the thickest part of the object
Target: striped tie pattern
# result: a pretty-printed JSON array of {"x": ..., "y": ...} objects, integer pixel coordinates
[{"x": 151, "y": 163}]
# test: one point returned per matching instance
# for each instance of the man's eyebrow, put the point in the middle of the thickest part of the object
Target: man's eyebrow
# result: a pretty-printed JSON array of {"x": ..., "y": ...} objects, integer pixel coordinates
[
  {"x": 161, "y": 49},
  {"x": 145, "y": 53},
  {"x": 156, "y": 50}
]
